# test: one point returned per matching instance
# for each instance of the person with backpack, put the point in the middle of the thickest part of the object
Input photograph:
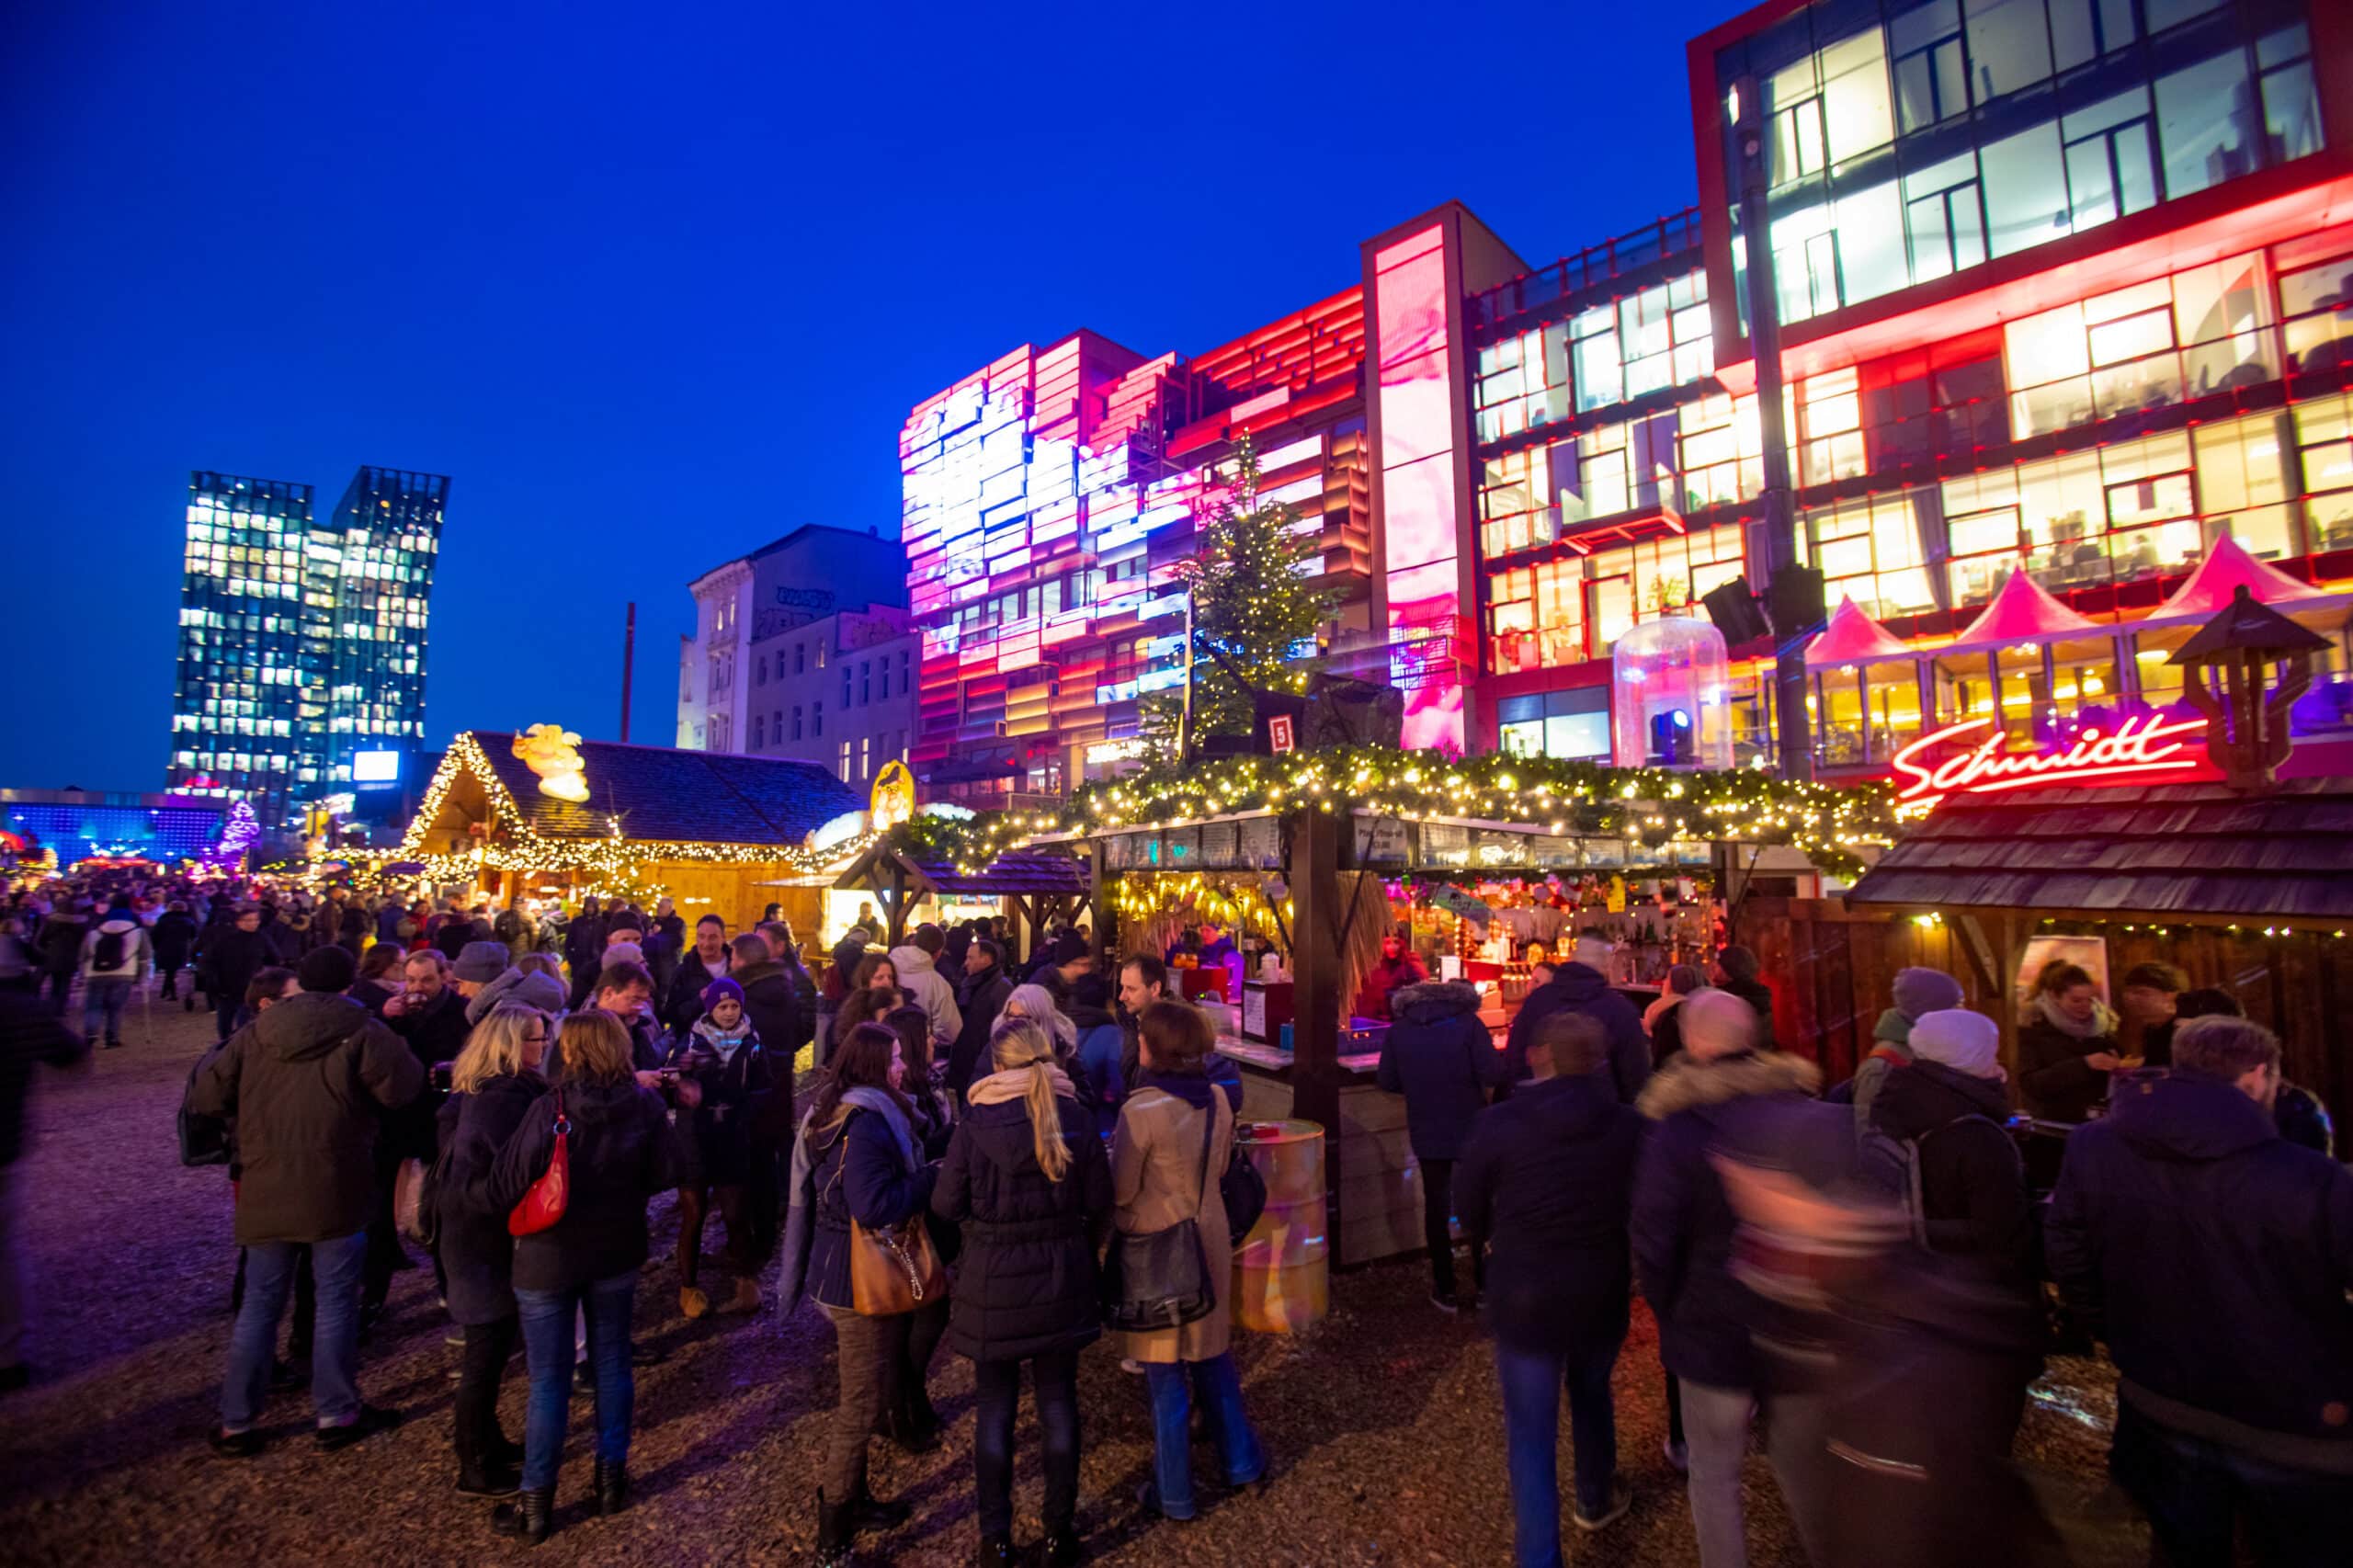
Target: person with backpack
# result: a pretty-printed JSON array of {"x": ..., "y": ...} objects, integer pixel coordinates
[
  {"x": 116, "y": 957},
  {"x": 307, "y": 1086},
  {"x": 1940, "y": 1141},
  {"x": 1025, "y": 1179},
  {"x": 1441, "y": 1059},
  {"x": 1917, "y": 993}
]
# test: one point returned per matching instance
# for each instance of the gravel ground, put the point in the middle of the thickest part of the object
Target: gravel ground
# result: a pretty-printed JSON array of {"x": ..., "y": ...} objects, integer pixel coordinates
[{"x": 1383, "y": 1423}]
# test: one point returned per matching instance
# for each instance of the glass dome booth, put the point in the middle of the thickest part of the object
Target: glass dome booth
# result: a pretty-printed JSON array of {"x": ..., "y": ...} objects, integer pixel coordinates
[{"x": 1668, "y": 705}]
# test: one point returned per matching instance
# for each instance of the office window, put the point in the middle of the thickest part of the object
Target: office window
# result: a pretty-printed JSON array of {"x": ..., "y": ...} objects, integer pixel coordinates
[
  {"x": 2111, "y": 167},
  {"x": 760, "y": 671},
  {"x": 800, "y": 657},
  {"x": 866, "y": 682},
  {"x": 796, "y": 720},
  {"x": 845, "y": 762},
  {"x": 1942, "y": 217},
  {"x": 1574, "y": 723},
  {"x": 2317, "y": 301},
  {"x": 866, "y": 757},
  {"x": 1536, "y": 616},
  {"x": 759, "y": 734},
  {"x": 1873, "y": 549},
  {"x": 2290, "y": 106},
  {"x": 846, "y": 685},
  {"x": 817, "y": 719},
  {"x": 2199, "y": 123},
  {"x": 2009, "y": 47},
  {"x": 2026, "y": 189}
]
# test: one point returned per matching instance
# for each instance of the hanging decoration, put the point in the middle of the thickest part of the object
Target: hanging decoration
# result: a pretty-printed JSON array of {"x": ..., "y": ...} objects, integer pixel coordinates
[{"x": 554, "y": 753}]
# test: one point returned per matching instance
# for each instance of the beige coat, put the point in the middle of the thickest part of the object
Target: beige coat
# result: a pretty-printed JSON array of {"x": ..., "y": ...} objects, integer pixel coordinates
[{"x": 1155, "y": 1166}]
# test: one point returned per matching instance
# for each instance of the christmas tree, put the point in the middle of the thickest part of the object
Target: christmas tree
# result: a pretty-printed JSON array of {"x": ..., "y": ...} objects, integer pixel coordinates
[{"x": 1253, "y": 606}]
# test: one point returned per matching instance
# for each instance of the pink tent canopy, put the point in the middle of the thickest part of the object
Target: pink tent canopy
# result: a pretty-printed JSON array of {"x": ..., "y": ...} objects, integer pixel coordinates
[
  {"x": 1853, "y": 638},
  {"x": 2023, "y": 611},
  {"x": 2226, "y": 568}
]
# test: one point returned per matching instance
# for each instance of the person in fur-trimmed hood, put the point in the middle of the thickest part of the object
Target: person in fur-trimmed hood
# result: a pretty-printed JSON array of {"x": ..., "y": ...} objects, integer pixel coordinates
[
  {"x": 1720, "y": 1092},
  {"x": 723, "y": 1054}
]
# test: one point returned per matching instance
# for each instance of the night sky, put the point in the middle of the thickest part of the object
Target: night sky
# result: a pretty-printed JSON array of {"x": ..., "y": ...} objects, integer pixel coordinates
[{"x": 655, "y": 285}]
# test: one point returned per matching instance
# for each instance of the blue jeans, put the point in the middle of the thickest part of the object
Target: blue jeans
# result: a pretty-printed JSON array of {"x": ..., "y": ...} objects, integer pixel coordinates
[
  {"x": 107, "y": 994},
  {"x": 2197, "y": 1491},
  {"x": 1531, "y": 1383},
  {"x": 1218, "y": 1386},
  {"x": 335, "y": 1348},
  {"x": 547, "y": 1347}
]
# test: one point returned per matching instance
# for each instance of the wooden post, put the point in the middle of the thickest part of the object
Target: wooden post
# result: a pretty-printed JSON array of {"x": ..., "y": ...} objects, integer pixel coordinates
[
  {"x": 1315, "y": 873},
  {"x": 1100, "y": 923},
  {"x": 898, "y": 912}
]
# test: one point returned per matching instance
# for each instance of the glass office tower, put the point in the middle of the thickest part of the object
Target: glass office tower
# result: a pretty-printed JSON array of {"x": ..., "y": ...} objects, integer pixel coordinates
[{"x": 302, "y": 640}]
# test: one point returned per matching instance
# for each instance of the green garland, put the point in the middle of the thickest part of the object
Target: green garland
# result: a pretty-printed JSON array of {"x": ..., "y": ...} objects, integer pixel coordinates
[{"x": 1650, "y": 806}]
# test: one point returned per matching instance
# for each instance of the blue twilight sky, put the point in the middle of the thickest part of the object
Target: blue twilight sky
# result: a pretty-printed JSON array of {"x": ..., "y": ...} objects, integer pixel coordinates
[{"x": 655, "y": 284}]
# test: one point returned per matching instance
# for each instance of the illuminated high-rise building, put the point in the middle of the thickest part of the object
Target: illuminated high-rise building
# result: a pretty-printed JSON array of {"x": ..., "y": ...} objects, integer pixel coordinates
[{"x": 302, "y": 640}]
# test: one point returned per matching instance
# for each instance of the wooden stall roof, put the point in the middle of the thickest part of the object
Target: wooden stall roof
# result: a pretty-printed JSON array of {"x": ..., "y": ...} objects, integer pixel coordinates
[
  {"x": 1016, "y": 871},
  {"x": 2183, "y": 851},
  {"x": 674, "y": 796}
]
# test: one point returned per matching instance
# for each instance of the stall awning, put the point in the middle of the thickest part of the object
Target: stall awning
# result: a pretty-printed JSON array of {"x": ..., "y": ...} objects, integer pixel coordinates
[
  {"x": 1023, "y": 873},
  {"x": 1854, "y": 638},
  {"x": 2022, "y": 610},
  {"x": 2226, "y": 569},
  {"x": 2175, "y": 851}
]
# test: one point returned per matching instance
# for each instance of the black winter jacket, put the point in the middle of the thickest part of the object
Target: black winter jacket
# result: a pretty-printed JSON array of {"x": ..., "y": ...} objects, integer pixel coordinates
[
  {"x": 231, "y": 959},
  {"x": 2214, "y": 1258},
  {"x": 980, "y": 1000},
  {"x": 734, "y": 1100},
  {"x": 1547, "y": 1179},
  {"x": 1441, "y": 1057},
  {"x": 2054, "y": 1080},
  {"x": 477, "y": 1253},
  {"x": 308, "y": 1083},
  {"x": 622, "y": 1149},
  {"x": 1973, "y": 1182},
  {"x": 856, "y": 1171},
  {"x": 1027, "y": 1283},
  {"x": 1579, "y": 988},
  {"x": 1683, "y": 1222},
  {"x": 29, "y": 1034},
  {"x": 684, "y": 1004},
  {"x": 175, "y": 937}
]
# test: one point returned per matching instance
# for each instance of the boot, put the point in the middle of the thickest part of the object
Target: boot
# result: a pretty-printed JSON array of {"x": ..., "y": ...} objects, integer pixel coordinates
[
  {"x": 996, "y": 1551},
  {"x": 747, "y": 1298},
  {"x": 488, "y": 1480},
  {"x": 526, "y": 1516},
  {"x": 1060, "y": 1549},
  {"x": 911, "y": 1424},
  {"x": 866, "y": 1512},
  {"x": 834, "y": 1532},
  {"x": 693, "y": 1302},
  {"x": 612, "y": 1488}
]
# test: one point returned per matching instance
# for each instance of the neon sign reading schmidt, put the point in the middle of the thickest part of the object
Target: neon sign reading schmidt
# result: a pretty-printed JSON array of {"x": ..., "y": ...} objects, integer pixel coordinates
[{"x": 2142, "y": 745}]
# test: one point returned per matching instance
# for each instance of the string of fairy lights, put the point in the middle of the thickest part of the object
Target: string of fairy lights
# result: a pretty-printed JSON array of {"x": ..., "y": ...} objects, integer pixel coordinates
[
  {"x": 1649, "y": 806},
  {"x": 613, "y": 860}
]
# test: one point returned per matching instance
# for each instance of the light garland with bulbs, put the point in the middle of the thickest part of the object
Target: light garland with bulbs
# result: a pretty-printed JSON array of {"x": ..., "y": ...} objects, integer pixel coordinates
[
  {"x": 1648, "y": 805},
  {"x": 514, "y": 844}
]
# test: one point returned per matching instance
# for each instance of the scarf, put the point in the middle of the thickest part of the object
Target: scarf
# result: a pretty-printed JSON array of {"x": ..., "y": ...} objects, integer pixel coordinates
[
  {"x": 2101, "y": 1024},
  {"x": 1014, "y": 1083},
  {"x": 722, "y": 1044},
  {"x": 1194, "y": 1088}
]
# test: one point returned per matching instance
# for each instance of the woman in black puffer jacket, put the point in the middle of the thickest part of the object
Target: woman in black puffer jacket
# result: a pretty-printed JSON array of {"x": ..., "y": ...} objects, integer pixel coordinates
[
  {"x": 493, "y": 1084},
  {"x": 1027, "y": 1178}
]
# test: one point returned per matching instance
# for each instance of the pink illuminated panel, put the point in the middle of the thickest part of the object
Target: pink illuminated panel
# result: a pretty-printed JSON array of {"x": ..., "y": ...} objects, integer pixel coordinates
[{"x": 1420, "y": 529}]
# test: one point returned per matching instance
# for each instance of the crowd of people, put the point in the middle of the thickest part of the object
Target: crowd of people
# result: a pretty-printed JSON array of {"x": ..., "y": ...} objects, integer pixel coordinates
[{"x": 994, "y": 1155}]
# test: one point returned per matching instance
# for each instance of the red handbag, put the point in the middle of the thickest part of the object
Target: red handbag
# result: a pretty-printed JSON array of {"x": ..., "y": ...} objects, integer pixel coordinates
[{"x": 544, "y": 1205}]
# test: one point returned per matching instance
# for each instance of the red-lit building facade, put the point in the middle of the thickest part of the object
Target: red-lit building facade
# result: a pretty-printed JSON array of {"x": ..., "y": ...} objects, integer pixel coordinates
[{"x": 2066, "y": 291}]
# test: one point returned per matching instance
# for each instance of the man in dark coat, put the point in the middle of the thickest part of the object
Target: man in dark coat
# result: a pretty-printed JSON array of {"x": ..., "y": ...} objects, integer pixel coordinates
[
  {"x": 60, "y": 941},
  {"x": 1580, "y": 988},
  {"x": 583, "y": 951},
  {"x": 2216, "y": 1259},
  {"x": 710, "y": 959},
  {"x": 175, "y": 938},
  {"x": 429, "y": 1016},
  {"x": 1737, "y": 970},
  {"x": 1441, "y": 1057},
  {"x": 229, "y": 961},
  {"x": 979, "y": 998},
  {"x": 1715, "y": 1096},
  {"x": 308, "y": 1083},
  {"x": 1547, "y": 1179}
]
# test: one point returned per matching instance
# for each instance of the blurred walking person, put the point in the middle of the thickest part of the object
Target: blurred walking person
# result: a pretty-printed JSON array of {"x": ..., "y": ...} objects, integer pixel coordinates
[
  {"x": 1025, "y": 1179},
  {"x": 30, "y": 1037},
  {"x": 116, "y": 958},
  {"x": 173, "y": 935},
  {"x": 1441, "y": 1057},
  {"x": 621, "y": 1149}
]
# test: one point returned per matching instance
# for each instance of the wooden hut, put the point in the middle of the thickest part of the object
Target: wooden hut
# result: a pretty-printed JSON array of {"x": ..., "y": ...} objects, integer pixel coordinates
[{"x": 549, "y": 815}]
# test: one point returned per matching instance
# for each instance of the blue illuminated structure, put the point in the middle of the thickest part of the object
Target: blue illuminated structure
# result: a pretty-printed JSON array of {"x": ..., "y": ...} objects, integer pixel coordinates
[{"x": 79, "y": 823}]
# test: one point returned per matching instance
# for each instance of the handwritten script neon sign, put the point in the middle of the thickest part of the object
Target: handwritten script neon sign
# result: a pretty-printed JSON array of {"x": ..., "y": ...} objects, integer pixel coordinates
[{"x": 2140, "y": 745}]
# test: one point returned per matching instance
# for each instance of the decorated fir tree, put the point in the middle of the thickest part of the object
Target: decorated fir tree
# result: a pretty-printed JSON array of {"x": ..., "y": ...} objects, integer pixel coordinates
[{"x": 1253, "y": 603}]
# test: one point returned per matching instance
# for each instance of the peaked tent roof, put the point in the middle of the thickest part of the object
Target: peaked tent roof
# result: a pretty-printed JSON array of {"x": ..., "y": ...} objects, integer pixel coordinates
[
  {"x": 664, "y": 794},
  {"x": 2022, "y": 610},
  {"x": 1852, "y": 637},
  {"x": 2243, "y": 624},
  {"x": 2227, "y": 568}
]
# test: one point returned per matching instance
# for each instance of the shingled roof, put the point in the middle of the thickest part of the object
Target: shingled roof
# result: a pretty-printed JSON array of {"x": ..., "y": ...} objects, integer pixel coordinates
[
  {"x": 671, "y": 796},
  {"x": 1026, "y": 872},
  {"x": 2180, "y": 850}
]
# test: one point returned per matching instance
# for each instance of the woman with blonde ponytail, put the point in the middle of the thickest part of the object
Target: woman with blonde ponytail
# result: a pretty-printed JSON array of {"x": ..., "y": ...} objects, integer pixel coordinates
[{"x": 1027, "y": 1180}]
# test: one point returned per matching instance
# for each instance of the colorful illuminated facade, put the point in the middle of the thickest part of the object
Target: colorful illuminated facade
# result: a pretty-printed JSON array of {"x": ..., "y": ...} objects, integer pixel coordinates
[
  {"x": 2065, "y": 290},
  {"x": 302, "y": 642}
]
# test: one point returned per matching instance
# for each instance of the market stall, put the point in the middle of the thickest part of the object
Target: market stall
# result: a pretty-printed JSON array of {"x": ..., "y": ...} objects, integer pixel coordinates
[
  {"x": 909, "y": 886},
  {"x": 546, "y": 816}
]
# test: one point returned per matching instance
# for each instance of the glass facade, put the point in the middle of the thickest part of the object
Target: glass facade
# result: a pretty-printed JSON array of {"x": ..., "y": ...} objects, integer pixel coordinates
[
  {"x": 301, "y": 642},
  {"x": 1905, "y": 141}
]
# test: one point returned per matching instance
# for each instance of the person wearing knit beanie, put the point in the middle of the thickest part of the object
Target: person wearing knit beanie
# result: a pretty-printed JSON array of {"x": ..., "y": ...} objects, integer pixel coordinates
[
  {"x": 1917, "y": 991},
  {"x": 330, "y": 968},
  {"x": 1964, "y": 1041}
]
